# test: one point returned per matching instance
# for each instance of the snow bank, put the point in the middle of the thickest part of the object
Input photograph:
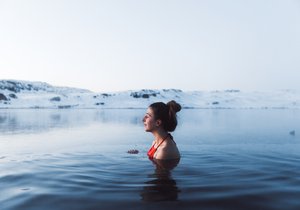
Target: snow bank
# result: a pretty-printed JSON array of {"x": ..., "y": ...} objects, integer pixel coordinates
[{"x": 25, "y": 94}]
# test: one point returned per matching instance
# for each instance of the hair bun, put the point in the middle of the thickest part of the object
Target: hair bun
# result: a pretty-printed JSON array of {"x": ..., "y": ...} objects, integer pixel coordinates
[{"x": 174, "y": 106}]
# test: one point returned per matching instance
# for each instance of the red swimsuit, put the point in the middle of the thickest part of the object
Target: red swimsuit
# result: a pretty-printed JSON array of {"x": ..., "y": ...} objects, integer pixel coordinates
[{"x": 152, "y": 150}]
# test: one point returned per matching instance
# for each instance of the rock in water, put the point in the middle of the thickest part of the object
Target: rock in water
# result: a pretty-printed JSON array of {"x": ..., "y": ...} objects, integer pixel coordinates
[
  {"x": 133, "y": 151},
  {"x": 292, "y": 133}
]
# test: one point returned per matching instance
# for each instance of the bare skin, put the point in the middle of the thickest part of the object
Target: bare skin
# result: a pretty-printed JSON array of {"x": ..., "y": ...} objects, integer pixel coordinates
[{"x": 167, "y": 149}]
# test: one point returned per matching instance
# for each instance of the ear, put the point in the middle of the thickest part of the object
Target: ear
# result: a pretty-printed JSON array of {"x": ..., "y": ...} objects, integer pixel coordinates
[{"x": 158, "y": 123}]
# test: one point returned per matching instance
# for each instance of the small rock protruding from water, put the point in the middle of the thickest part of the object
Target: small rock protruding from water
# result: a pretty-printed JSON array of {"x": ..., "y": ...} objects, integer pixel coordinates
[
  {"x": 133, "y": 151},
  {"x": 292, "y": 133}
]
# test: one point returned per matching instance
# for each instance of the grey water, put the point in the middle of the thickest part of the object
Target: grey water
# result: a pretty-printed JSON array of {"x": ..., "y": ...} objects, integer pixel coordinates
[{"x": 77, "y": 159}]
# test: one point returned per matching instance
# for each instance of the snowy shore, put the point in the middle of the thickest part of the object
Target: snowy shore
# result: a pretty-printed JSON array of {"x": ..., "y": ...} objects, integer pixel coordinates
[{"x": 25, "y": 94}]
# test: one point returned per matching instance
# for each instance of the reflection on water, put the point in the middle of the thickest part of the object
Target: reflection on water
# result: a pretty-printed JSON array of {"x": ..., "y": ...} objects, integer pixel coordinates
[
  {"x": 161, "y": 186},
  {"x": 41, "y": 120}
]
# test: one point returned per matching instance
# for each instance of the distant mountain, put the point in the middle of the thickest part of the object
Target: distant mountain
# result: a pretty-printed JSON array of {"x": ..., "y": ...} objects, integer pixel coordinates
[
  {"x": 26, "y": 94},
  {"x": 17, "y": 86}
]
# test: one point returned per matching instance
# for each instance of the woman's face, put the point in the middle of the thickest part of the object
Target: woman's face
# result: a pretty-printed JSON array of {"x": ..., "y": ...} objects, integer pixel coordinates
[{"x": 149, "y": 121}]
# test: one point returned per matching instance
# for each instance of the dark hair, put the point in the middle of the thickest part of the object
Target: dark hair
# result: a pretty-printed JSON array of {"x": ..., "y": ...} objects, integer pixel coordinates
[{"x": 166, "y": 113}]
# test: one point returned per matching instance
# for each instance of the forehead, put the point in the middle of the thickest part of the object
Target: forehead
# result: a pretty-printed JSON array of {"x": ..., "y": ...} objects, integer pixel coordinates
[{"x": 149, "y": 111}]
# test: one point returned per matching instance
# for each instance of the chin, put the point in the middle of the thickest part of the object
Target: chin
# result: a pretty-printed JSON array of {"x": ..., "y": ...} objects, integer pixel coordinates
[{"x": 147, "y": 129}]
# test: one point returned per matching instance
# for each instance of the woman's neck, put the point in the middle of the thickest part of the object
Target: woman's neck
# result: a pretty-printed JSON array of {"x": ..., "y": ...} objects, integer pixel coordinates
[{"x": 160, "y": 135}]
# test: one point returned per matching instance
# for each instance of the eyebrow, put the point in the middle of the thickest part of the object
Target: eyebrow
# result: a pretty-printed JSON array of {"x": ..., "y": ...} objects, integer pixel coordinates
[{"x": 149, "y": 114}]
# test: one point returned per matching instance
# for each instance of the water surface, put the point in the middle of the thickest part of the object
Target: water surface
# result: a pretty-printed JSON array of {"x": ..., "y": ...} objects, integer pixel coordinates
[{"x": 77, "y": 159}]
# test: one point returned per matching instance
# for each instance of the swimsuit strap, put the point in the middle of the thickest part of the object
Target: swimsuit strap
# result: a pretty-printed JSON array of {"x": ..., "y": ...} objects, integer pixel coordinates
[
  {"x": 152, "y": 150},
  {"x": 163, "y": 140}
]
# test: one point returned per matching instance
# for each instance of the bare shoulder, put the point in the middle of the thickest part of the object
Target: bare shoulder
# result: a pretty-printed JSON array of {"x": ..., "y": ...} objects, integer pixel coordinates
[{"x": 168, "y": 150}]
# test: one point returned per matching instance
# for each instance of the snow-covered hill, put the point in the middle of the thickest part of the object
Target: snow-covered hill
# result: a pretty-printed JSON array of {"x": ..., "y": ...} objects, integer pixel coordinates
[{"x": 25, "y": 94}]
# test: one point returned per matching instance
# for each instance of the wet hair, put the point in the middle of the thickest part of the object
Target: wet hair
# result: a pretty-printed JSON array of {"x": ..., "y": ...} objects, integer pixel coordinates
[{"x": 166, "y": 113}]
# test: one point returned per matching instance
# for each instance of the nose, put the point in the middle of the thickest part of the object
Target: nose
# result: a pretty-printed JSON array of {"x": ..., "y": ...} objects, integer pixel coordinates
[{"x": 144, "y": 118}]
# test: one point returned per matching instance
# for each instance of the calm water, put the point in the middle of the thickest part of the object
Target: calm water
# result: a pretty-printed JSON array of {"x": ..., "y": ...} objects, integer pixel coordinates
[{"x": 77, "y": 159}]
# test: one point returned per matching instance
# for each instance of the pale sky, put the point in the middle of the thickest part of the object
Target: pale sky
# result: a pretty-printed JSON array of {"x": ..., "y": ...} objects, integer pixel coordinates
[{"x": 114, "y": 45}]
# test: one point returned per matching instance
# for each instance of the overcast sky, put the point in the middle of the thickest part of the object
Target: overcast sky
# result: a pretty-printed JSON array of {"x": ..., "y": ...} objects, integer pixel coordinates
[{"x": 112, "y": 45}]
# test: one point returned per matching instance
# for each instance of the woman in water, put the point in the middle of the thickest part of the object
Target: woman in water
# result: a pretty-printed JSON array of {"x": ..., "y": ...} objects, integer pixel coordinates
[{"x": 161, "y": 119}]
